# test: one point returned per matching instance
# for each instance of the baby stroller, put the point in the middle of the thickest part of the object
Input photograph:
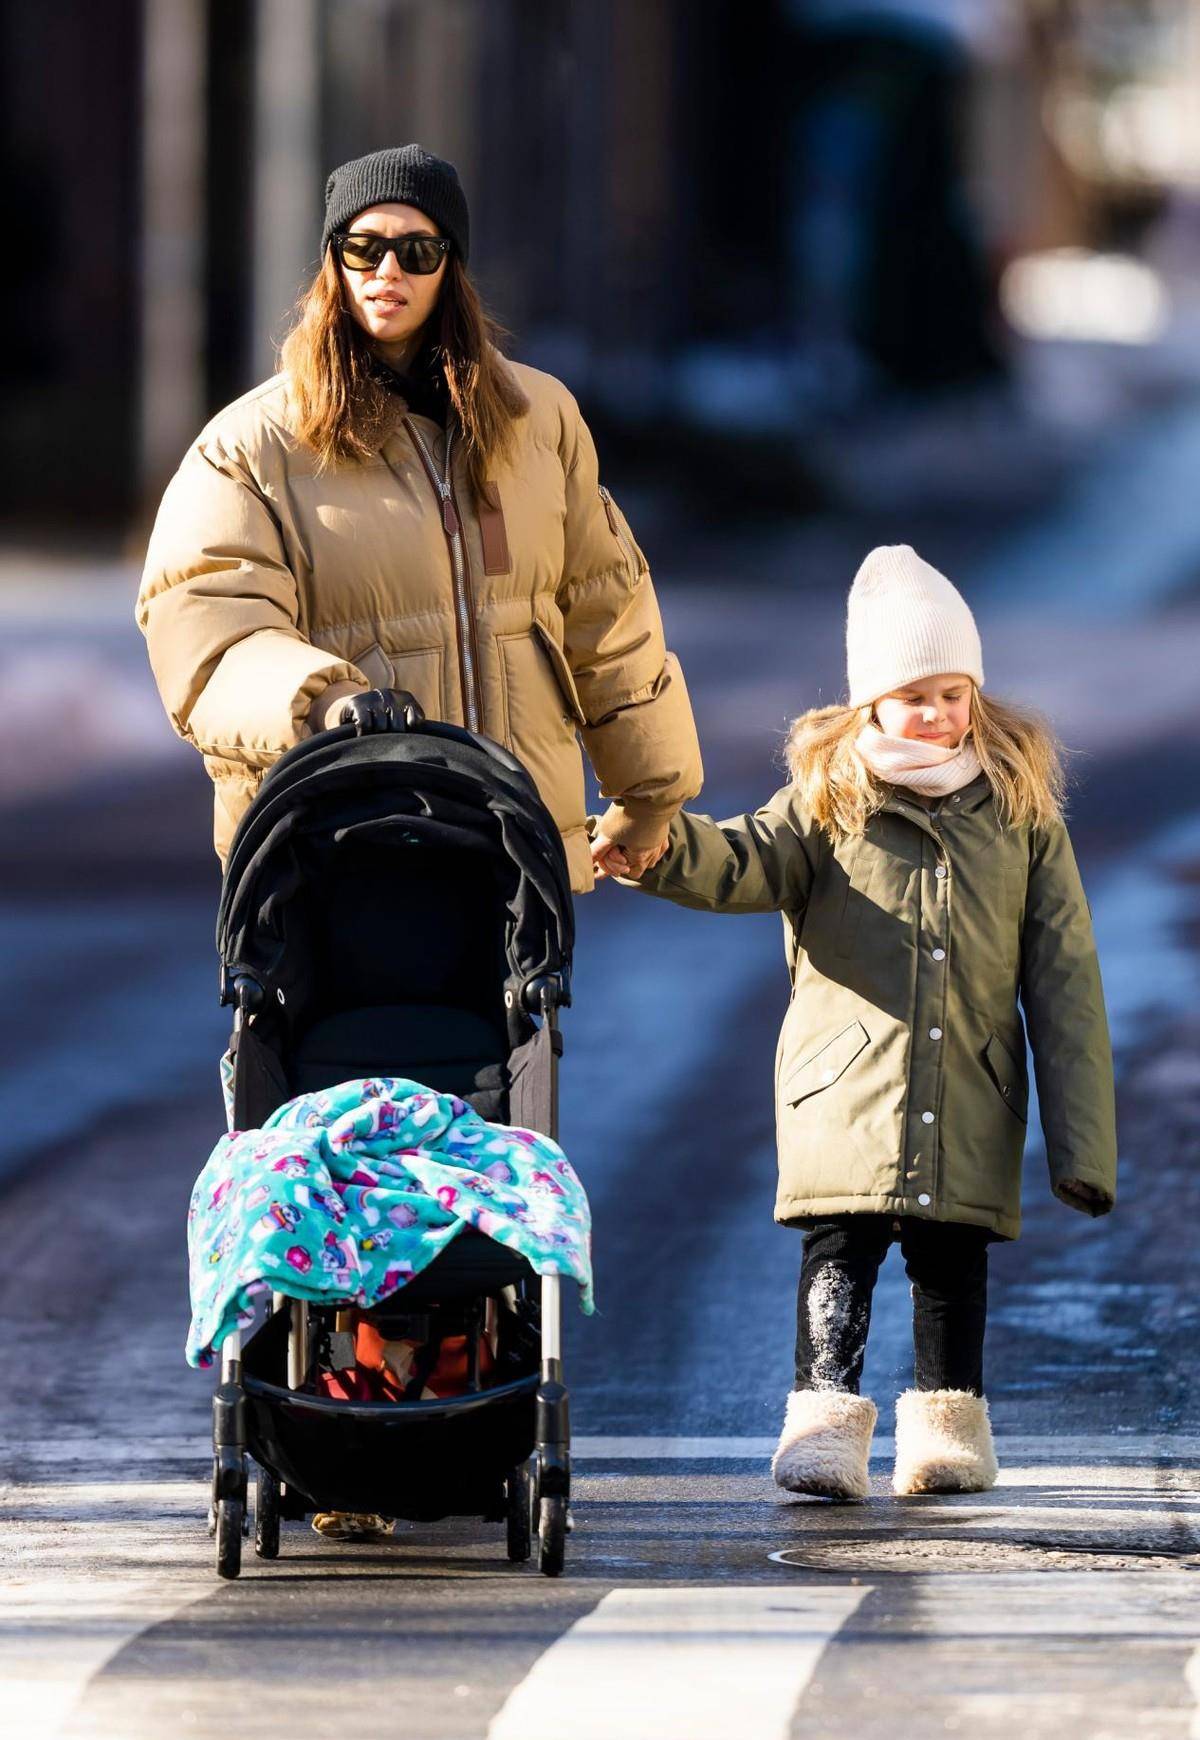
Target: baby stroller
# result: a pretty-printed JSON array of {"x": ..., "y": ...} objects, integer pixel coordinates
[{"x": 397, "y": 904}]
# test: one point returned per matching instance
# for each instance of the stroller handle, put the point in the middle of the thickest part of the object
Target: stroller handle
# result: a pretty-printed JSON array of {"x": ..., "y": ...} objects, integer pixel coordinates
[{"x": 398, "y": 710}]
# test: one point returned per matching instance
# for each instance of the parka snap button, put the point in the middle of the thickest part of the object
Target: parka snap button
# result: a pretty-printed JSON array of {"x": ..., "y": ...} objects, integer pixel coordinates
[
  {"x": 923, "y": 1200},
  {"x": 939, "y": 954},
  {"x": 935, "y": 1033},
  {"x": 827, "y": 1075},
  {"x": 941, "y": 870},
  {"x": 927, "y": 1117}
]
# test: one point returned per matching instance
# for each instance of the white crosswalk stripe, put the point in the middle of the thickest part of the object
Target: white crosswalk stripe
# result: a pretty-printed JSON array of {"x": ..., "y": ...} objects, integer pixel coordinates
[
  {"x": 1010, "y": 1572},
  {"x": 46, "y": 1454},
  {"x": 1192, "y": 1674},
  {"x": 648, "y": 1663},
  {"x": 1111, "y": 1447},
  {"x": 57, "y": 1633}
]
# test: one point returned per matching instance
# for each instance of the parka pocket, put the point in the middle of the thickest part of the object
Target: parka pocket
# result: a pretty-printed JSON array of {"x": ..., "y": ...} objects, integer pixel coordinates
[
  {"x": 417, "y": 669},
  {"x": 538, "y": 723},
  {"x": 375, "y": 666},
  {"x": 824, "y": 1067},
  {"x": 1008, "y": 1076},
  {"x": 563, "y": 674},
  {"x": 535, "y": 701}
]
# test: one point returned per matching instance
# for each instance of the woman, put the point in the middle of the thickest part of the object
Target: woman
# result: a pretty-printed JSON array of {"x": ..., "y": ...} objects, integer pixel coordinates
[{"x": 403, "y": 507}]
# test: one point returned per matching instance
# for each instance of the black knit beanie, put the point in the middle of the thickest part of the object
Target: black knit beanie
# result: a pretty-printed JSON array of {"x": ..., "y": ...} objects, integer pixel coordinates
[{"x": 406, "y": 174}]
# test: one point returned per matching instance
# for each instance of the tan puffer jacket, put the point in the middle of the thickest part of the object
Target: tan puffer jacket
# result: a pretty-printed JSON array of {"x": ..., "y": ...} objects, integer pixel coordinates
[{"x": 530, "y": 616}]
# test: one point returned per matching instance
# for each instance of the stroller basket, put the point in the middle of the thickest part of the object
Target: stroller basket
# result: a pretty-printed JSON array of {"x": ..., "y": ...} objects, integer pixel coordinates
[
  {"x": 345, "y": 1455},
  {"x": 398, "y": 905}
]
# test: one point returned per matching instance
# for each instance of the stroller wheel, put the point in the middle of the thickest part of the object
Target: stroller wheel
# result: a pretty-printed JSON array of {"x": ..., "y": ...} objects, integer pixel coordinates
[
  {"x": 519, "y": 1515},
  {"x": 266, "y": 1515},
  {"x": 231, "y": 1521},
  {"x": 552, "y": 1536}
]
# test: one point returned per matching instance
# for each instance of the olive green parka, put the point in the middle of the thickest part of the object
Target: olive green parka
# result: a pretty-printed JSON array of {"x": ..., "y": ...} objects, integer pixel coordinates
[{"x": 901, "y": 1082}]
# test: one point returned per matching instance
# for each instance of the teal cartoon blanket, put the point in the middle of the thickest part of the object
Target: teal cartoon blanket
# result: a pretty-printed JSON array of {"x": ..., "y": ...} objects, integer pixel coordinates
[{"x": 348, "y": 1193}]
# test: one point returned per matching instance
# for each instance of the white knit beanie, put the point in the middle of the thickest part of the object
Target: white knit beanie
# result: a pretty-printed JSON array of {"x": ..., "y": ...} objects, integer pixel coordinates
[{"x": 906, "y": 622}]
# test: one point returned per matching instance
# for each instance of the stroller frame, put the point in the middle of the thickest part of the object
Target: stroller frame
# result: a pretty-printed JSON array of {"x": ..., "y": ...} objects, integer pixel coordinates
[{"x": 260, "y": 1398}]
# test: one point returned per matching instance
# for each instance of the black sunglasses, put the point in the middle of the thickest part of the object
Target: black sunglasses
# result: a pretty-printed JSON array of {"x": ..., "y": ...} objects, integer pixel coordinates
[{"x": 363, "y": 252}]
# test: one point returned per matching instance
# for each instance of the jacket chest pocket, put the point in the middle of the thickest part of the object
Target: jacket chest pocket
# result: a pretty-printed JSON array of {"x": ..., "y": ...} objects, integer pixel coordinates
[{"x": 824, "y": 1067}]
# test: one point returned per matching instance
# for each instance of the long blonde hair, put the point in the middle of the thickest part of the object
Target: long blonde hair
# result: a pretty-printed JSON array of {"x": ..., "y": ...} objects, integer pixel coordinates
[
  {"x": 1016, "y": 748},
  {"x": 338, "y": 405}
]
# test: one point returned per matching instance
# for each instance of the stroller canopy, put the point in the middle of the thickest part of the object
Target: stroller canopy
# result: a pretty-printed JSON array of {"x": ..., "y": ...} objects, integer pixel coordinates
[{"x": 435, "y": 796}]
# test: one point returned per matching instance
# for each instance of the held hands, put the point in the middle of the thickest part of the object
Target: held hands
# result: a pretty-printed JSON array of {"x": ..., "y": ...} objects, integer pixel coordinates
[{"x": 611, "y": 860}]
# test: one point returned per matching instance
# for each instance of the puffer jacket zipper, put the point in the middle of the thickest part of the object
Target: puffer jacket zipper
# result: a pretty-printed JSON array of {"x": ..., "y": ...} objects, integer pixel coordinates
[
  {"x": 610, "y": 508},
  {"x": 460, "y": 567}
]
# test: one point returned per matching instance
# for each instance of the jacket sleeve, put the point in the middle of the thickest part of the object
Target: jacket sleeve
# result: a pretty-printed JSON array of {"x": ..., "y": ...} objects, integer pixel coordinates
[
  {"x": 637, "y": 726},
  {"x": 219, "y": 607},
  {"x": 1068, "y": 1026},
  {"x": 755, "y": 863}
]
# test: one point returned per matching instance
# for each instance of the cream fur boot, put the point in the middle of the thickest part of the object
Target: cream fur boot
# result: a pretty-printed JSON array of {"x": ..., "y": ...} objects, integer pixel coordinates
[
  {"x": 825, "y": 1444},
  {"x": 943, "y": 1442}
]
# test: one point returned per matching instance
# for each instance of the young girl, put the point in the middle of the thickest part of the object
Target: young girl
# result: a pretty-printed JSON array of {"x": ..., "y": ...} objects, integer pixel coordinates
[{"x": 926, "y": 880}]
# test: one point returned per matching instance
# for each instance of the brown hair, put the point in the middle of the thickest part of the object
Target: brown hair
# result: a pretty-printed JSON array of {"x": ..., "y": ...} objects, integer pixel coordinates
[
  {"x": 1016, "y": 749},
  {"x": 339, "y": 407}
]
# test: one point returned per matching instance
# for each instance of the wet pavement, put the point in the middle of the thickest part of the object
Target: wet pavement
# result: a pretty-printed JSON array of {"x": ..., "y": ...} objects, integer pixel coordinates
[{"x": 1061, "y": 1603}]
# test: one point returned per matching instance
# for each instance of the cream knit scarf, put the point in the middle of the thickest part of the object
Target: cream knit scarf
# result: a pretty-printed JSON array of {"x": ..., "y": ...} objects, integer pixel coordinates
[{"x": 927, "y": 768}]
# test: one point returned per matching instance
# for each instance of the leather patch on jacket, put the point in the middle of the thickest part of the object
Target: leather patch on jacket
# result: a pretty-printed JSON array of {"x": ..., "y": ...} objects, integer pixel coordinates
[{"x": 492, "y": 531}]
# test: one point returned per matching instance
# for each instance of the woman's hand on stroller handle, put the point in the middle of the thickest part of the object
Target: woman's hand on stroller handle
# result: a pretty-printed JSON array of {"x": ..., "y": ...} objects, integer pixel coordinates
[{"x": 381, "y": 710}]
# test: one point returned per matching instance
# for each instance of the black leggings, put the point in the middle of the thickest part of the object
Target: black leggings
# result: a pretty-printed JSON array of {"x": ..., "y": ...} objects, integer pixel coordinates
[{"x": 947, "y": 1265}]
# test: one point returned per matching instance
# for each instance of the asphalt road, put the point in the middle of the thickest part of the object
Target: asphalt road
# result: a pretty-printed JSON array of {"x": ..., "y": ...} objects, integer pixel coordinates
[{"x": 698, "y": 1602}]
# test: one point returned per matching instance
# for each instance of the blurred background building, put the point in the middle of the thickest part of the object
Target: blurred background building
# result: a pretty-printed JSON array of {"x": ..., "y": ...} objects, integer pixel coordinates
[{"x": 720, "y": 224}]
